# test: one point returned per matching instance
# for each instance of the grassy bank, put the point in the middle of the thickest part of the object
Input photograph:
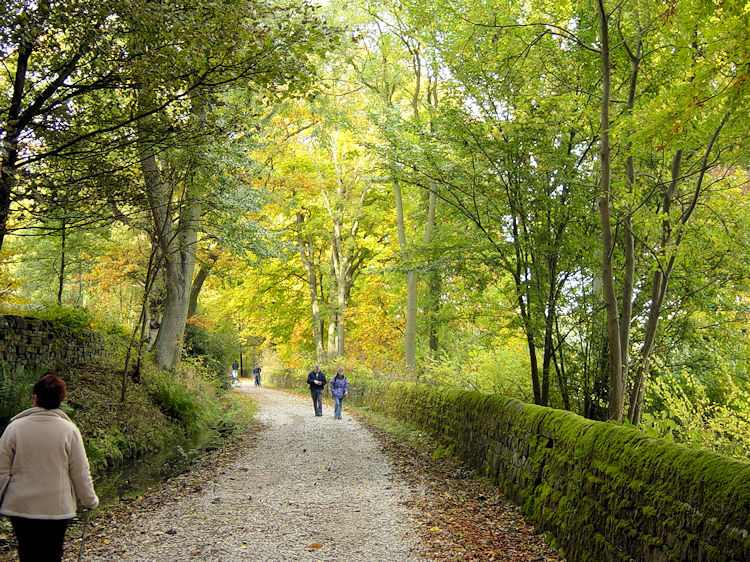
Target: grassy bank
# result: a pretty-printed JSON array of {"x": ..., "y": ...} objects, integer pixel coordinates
[{"x": 163, "y": 408}]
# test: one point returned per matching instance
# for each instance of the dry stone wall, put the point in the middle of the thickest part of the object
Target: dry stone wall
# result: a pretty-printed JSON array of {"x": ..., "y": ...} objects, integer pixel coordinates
[
  {"x": 31, "y": 343},
  {"x": 603, "y": 491}
]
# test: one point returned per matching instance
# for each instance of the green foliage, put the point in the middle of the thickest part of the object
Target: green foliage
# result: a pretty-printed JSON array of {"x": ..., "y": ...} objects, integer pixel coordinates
[
  {"x": 186, "y": 397},
  {"x": 499, "y": 370},
  {"x": 444, "y": 451},
  {"x": 681, "y": 410},
  {"x": 76, "y": 319},
  {"x": 212, "y": 348},
  {"x": 15, "y": 391}
]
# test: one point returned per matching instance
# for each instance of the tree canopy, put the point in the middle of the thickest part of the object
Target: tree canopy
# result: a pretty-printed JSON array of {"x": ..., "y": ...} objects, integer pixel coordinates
[{"x": 543, "y": 199}]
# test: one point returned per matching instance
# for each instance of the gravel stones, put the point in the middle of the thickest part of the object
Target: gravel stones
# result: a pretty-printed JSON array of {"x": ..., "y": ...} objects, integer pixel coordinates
[{"x": 312, "y": 488}]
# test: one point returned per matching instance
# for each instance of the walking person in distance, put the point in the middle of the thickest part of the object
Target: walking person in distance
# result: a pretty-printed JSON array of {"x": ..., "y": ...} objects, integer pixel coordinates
[
  {"x": 44, "y": 463},
  {"x": 256, "y": 374},
  {"x": 317, "y": 380},
  {"x": 339, "y": 388}
]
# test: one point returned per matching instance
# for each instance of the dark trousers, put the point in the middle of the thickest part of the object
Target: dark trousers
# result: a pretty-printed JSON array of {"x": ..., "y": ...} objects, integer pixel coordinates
[
  {"x": 40, "y": 540},
  {"x": 317, "y": 398}
]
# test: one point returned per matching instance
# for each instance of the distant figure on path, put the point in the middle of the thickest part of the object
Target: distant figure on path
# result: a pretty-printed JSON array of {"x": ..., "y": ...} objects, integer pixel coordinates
[
  {"x": 235, "y": 368},
  {"x": 317, "y": 380},
  {"x": 256, "y": 374},
  {"x": 43, "y": 461},
  {"x": 339, "y": 388}
]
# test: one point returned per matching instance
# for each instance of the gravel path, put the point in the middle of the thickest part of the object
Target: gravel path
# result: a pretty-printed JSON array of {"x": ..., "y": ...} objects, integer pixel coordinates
[{"x": 312, "y": 488}]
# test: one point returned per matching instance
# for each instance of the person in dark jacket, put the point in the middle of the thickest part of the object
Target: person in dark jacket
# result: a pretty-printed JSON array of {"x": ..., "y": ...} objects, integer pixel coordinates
[
  {"x": 339, "y": 388},
  {"x": 317, "y": 380},
  {"x": 256, "y": 374}
]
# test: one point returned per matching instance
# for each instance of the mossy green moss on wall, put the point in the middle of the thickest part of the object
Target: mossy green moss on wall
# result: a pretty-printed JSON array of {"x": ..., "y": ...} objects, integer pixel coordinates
[{"x": 602, "y": 490}]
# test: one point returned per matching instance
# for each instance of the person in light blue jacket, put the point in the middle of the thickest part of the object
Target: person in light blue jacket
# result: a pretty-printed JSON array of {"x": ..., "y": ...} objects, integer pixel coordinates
[{"x": 339, "y": 388}]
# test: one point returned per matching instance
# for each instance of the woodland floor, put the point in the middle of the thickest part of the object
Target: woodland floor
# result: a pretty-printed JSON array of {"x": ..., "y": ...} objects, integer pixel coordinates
[{"x": 381, "y": 498}]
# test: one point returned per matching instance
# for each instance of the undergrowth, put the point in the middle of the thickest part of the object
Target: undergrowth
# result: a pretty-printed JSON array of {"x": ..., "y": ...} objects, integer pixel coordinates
[{"x": 15, "y": 391}]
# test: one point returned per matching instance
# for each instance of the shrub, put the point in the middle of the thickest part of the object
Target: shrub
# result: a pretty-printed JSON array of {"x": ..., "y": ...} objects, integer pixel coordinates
[
  {"x": 15, "y": 391},
  {"x": 682, "y": 411},
  {"x": 187, "y": 398},
  {"x": 216, "y": 345}
]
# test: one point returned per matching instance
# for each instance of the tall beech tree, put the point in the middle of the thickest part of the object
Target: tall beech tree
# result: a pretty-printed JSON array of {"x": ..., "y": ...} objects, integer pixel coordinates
[
  {"x": 242, "y": 49},
  {"x": 395, "y": 67},
  {"x": 320, "y": 169}
]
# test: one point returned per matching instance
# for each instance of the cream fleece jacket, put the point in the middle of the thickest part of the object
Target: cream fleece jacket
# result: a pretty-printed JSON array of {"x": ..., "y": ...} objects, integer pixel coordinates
[{"x": 43, "y": 452}]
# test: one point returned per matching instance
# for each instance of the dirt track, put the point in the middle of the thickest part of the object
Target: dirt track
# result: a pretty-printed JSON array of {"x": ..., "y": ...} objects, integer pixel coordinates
[{"x": 311, "y": 488}]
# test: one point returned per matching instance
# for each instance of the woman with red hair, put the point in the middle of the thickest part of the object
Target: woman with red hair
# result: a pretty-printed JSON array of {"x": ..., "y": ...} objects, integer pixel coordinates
[{"x": 43, "y": 461}]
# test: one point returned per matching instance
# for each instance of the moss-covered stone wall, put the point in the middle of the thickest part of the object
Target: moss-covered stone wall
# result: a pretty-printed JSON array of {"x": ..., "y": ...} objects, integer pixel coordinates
[
  {"x": 31, "y": 343},
  {"x": 603, "y": 491}
]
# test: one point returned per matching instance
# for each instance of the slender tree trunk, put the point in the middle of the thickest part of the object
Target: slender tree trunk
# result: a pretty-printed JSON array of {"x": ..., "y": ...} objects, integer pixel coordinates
[
  {"x": 435, "y": 286},
  {"x": 628, "y": 238},
  {"x": 140, "y": 325},
  {"x": 196, "y": 287},
  {"x": 333, "y": 317},
  {"x": 616, "y": 391},
  {"x": 549, "y": 330},
  {"x": 200, "y": 279},
  {"x": 61, "y": 275},
  {"x": 662, "y": 276},
  {"x": 341, "y": 297},
  {"x": 658, "y": 289},
  {"x": 434, "y": 279},
  {"x": 410, "y": 330},
  {"x": 307, "y": 254},
  {"x": 558, "y": 357}
]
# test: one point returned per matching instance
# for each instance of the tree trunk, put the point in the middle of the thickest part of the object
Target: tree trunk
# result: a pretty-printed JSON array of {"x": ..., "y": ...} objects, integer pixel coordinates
[
  {"x": 197, "y": 285},
  {"x": 662, "y": 275},
  {"x": 177, "y": 243},
  {"x": 434, "y": 279},
  {"x": 410, "y": 330},
  {"x": 61, "y": 275},
  {"x": 12, "y": 133},
  {"x": 307, "y": 255},
  {"x": 549, "y": 329},
  {"x": 558, "y": 357},
  {"x": 616, "y": 392},
  {"x": 434, "y": 285},
  {"x": 341, "y": 310},
  {"x": 628, "y": 238},
  {"x": 333, "y": 317}
]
